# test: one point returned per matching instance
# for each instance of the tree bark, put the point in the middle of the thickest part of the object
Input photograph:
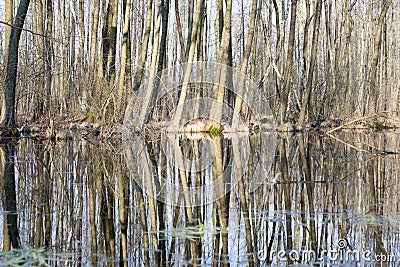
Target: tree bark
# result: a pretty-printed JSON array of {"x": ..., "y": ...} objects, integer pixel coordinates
[
  {"x": 289, "y": 61},
  {"x": 373, "y": 105},
  {"x": 12, "y": 64},
  {"x": 49, "y": 56},
  {"x": 164, "y": 31},
  {"x": 124, "y": 59},
  {"x": 93, "y": 43},
  {"x": 144, "y": 47},
  {"x": 9, "y": 11},
  {"x": 10, "y": 193},
  {"x": 153, "y": 65},
  {"x": 188, "y": 71},
  {"x": 219, "y": 87},
  {"x": 113, "y": 42},
  {"x": 245, "y": 60},
  {"x": 313, "y": 59},
  {"x": 180, "y": 34},
  {"x": 39, "y": 99}
]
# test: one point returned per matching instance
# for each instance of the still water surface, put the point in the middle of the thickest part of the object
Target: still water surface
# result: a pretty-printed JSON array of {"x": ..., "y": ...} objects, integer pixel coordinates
[{"x": 218, "y": 201}]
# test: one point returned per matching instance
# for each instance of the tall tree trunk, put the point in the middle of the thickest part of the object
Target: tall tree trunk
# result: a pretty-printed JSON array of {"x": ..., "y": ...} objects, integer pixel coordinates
[
  {"x": 219, "y": 87},
  {"x": 278, "y": 52},
  {"x": 180, "y": 33},
  {"x": 9, "y": 13},
  {"x": 109, "y": 41},
  {"x": 164, "y": 31},
  {"x": 373, "y": 89},
  {"x": 124, "y": 59},
  {"x": 289, "y": 61},
  {"x": 12, "y": 64},
  {"x": 178, "y": 114},
  {"x": 113, "y": 42},
  {"x": 93, "y": 47},
  {"x": 153, "y": 65},
  {"x": 189, "y": 24},
  {"x": 85, "y": 82},
  {"x": 245, "y": 60},
  {"x": 313, "y": 60},
  {"x": 49, "y": 56},
  {"x": 144, "y": 47},
  {"x": 305, "y": 45},
  {"x": 39, "y": 99}
]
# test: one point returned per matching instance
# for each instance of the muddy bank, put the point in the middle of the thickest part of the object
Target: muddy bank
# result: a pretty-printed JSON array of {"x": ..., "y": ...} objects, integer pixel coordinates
[{"x": 60, "y": 130}]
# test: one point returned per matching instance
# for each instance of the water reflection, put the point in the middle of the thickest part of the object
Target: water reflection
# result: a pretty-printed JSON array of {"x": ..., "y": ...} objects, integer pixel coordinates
[
  {"x": 92, "y": 203},
  {"x": 9, "y": 197}
]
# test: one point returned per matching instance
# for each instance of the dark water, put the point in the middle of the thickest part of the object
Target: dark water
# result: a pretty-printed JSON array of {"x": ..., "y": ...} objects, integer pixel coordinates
[{"x": 233, "y": 201}]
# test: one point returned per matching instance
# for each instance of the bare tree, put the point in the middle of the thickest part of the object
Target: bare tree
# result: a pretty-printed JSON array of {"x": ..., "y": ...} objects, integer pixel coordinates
[
  {"x": 12, "y": 64},
  {"x": 311, "y": 68},
  {"x": 245, "y": 60},
  {"x": 289, "y": 61},
  {"x": 373, "y": 88}
]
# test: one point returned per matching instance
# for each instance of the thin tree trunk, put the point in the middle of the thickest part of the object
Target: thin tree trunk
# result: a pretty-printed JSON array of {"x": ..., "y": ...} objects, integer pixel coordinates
[
  {"x": 373, "y": 89},
  {"x": 219, "y": 87},
  {"x": 245, "y": 60},
  {"x": 313, "y": 59},
  {"x": 113, "y": 42},
  {"x": 81, "y": 58},
  {"x": 39, "y": 101},
  {"x": 180, "y": 34},
  {"x": 124, "y": 59},
  {"x": 153, "y": 66},
  {"x": 289, "y": 61},
  {"x": 190, "y": 25},
  {"x": 188, "y": 71},
  {"x": 164, "y": 31},
  {"x": 49, "y": 56},
  {"x": 278, "y": 46},
  {"x": 93, "y": 48},
  {"x": 9, "y": 14},
  {"x": 144, "y": 47},
  {"x": 305, "y": 44}
]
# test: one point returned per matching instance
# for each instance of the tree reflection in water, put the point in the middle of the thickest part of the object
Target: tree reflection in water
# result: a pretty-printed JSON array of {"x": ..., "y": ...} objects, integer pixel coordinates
[
  {"x": 93, "y": 202},
  {"x": 11, "y": 238}
]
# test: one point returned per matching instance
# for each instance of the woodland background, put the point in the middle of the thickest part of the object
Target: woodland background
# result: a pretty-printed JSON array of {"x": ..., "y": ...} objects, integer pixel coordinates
[{"x": 317, "y": 60}]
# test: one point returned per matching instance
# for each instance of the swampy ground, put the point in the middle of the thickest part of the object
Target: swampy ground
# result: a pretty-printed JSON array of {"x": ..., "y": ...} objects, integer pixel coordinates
[{"x": 238, "y": 200}]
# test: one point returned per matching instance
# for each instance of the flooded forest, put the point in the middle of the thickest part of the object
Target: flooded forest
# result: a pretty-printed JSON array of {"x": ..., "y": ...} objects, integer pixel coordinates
[{"x": 199, "y": 133}]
